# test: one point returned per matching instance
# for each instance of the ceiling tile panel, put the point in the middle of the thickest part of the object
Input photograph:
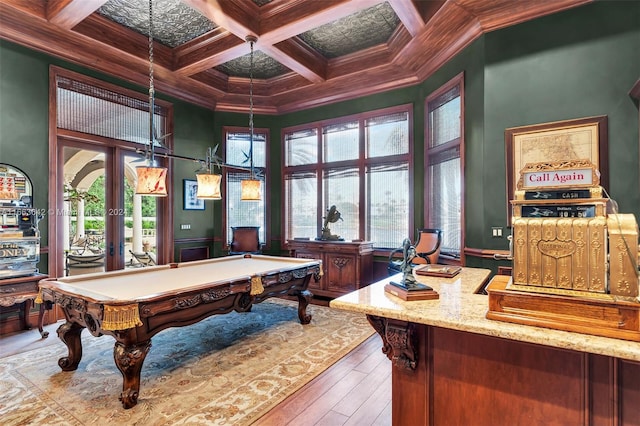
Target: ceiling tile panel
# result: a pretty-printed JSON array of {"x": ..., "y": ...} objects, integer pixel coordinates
[
  {"x": 264, "y": 67},
  {"x": 174, "y": 23},
  {"x": 355, "y": 32}
]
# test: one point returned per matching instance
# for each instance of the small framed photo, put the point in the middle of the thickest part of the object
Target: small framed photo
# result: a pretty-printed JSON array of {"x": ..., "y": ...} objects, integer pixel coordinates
[{"x": 191, "y": 201}]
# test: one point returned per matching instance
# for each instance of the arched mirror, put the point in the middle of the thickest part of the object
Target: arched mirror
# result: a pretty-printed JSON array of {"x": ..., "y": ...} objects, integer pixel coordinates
[
  {"x": 15, "y": 187},
  {"x": 19, "y": 236}
]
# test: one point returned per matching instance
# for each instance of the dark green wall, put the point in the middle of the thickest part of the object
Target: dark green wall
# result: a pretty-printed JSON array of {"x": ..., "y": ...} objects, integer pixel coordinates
[
  {"x": 193, "y": 134},
  {"x": 573, "y": 64},
  {"x": 24, "y": 100}
]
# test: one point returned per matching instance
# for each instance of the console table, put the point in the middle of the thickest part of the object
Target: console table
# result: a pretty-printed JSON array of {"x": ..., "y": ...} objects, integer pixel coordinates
[
  {"x": 23, "y": 290},
  {"x": 347, "y": 265}
]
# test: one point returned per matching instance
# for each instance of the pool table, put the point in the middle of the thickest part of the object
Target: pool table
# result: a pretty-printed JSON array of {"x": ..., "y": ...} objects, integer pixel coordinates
[{"x": 133, "y": 305}]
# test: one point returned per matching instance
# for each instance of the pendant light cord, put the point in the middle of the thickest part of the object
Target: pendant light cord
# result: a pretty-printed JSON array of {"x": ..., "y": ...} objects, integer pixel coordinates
[
  {"x": 151, "y": 89},
  {"x": 251, "y": 42}
]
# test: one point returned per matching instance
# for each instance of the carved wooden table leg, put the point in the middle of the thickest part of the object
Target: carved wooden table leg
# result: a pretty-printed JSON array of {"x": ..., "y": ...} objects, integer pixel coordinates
[
  {"x": 129, "y": 360},
  {"x": 304, "y": 297},
  {"x": 43, "y": 334},
  {"x": 26, "y": 324},
  {"x": 69, "y": 333}
]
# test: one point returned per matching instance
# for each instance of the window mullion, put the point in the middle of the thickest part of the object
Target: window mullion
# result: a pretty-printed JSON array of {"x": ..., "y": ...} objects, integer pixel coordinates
[
  {"x": 362, "y": 193},
  {"x": 320, "y": 177}
]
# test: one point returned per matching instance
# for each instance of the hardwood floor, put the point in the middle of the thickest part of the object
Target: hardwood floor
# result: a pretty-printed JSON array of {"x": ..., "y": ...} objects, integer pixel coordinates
[{"x": 355, "y": 391}]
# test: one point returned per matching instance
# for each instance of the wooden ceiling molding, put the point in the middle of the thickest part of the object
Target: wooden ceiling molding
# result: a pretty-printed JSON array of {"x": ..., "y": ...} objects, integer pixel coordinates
[
  {"x": 68, "y": 13},
  {"x": 201, "y": 70}
]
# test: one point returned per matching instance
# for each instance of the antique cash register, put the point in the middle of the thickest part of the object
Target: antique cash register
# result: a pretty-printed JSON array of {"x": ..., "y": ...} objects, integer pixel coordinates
[{"x": 575, "y": 258}]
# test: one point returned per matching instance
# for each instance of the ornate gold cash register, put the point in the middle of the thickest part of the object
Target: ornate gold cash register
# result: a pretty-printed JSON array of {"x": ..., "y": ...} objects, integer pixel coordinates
[{"x": 575, "y": 258}]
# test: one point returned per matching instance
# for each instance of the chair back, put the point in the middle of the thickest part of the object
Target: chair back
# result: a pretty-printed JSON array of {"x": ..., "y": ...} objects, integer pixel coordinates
[
  {"x": 83, "y": 264},
  {"x": 142, "y": 259},
  {"x": 245, "y": 239},
  {"x": 428, "y": 245}
]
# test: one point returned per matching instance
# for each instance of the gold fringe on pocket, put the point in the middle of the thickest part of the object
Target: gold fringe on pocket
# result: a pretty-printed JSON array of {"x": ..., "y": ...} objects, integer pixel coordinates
[
  {"x": 39, "y": 298},
  {"x": 121, "y": 317},
  {"x": 256, "y": 285}
]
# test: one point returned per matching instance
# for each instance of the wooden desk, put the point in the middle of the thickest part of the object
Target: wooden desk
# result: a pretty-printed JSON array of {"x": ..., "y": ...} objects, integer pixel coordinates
[
  {"x": 452, "y": 365},
  {"x": 23, "y": 290},
  {"x": 136, "y": 304}
]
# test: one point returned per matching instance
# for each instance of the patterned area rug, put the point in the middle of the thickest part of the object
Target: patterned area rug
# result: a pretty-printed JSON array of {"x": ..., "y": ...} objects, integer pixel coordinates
[{"x": 226, "y": 370}]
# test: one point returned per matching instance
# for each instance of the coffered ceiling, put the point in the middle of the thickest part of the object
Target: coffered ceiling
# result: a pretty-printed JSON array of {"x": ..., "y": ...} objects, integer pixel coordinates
[{"x": 308, "y": 52}]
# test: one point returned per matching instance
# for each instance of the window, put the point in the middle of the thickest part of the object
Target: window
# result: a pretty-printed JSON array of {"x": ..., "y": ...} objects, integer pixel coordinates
[
  {"x": 237, "y": 152},
  {"x": 360, "y": 164},
  {"x": 122, "y": 117},
  {"x": 444, "y": 141}
]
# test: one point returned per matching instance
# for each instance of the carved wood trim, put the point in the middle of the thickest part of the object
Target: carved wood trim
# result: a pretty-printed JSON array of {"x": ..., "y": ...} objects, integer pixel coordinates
[
  {"x": 431, "y": 34},
  {"x": 399, "y": 341}
]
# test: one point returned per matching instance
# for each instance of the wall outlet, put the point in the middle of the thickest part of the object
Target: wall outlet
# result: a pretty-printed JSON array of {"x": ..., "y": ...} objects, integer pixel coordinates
[
  {"x": 185, "y": 226},
  {"x": 496, "y": 232}
]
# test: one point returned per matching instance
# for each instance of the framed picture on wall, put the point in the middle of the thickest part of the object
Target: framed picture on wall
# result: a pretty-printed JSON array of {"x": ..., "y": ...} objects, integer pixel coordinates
[
  {"x": 579, "y": 139},
  {"x": 191, "y": 201}
]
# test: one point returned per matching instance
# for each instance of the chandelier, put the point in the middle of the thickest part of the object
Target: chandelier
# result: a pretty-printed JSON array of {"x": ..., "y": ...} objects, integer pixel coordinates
[{"x": 152, "y": 178}]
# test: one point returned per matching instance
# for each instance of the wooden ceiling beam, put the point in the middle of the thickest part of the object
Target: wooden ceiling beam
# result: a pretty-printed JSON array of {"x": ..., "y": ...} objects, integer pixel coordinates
[
  {"x": 300, "y": 58},
  {"x": 109, "y": 33},
  {"x": 208, "y": 51},
  {"x": 374, "y": 81},
  {"x": 69, "y": 13},
  {"x": 293, "y": 54},
  {"x": 236, "y": 19},
  {"x": 375, "y": 57},
  {"x": 228, "y": 14},
  {"x": 33, "y": 8},
  {"x": 409, "y": 15},
  {"x": 213, "y": 78},
  {"x": 303, "y": 16}
]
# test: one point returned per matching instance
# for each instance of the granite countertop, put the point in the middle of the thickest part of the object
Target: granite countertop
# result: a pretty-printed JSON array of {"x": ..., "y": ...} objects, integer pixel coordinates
[{"x": 460, "y": 308}]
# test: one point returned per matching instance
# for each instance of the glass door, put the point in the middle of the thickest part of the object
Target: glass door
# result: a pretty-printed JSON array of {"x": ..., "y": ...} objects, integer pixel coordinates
[
  {"x": 140, "y": 222},
  {"x": 102, "y": 224},
  {"x": 84, "y": 210}
]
